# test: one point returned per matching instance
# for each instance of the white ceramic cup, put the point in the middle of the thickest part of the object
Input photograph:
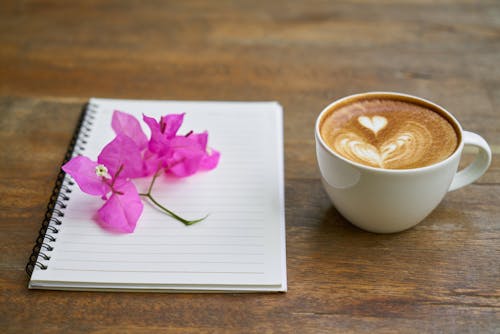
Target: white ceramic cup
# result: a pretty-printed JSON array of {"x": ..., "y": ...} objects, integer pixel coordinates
[{"x": 388, "y": 200}]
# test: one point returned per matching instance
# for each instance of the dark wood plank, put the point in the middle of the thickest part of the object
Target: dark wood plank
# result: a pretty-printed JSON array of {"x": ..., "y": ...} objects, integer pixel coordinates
[{"x": 441, "y": 276}]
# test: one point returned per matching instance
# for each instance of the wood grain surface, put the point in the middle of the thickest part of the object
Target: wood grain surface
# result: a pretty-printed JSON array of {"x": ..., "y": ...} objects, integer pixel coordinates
[{"x": 442, "y": 276}]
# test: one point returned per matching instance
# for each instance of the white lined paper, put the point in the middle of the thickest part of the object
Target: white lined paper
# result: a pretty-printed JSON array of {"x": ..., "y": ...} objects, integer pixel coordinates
[{"x": 239, "y": 247}]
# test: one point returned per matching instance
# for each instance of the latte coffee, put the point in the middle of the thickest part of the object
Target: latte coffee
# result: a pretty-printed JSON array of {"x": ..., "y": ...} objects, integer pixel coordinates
[{"x": 389, "y": 133}]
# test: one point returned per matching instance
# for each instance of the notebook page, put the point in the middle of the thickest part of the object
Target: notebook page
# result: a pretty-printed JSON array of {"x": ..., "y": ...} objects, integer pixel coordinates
[{"x": 240, "y": 243}]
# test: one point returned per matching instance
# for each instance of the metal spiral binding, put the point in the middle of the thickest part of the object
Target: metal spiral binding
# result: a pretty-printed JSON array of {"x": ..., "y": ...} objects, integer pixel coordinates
[{"x": 52, "y": 222}]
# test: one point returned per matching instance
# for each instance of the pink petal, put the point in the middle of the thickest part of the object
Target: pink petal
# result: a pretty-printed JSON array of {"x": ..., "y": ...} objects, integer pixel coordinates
[
  {"x": 122, "y": 151},
  {"x": 156, "y": 141},
  {"x": 189, "y": 154},
  {"x": 171, "y": 124},
  {"x": 200, "y": 138},
  {"x": 181, "y": 142},
  {"x": 128, "y": 125},
  {"x": 211, "y": 157},
  {"x": 184, "y": 162},
  {"x": 152, "y": 163},
  {"x": 83, "y": 171},
  {"x": 163, "y": 131},
  {"x": 121, "y": 212},
  {"x": 210, "y": 161}
]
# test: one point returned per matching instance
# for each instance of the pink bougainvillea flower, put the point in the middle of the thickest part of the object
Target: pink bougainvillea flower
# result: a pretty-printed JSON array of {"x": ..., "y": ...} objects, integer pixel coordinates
[
  {"x": 130, "y": 155},
  {"x": 125, "y": 124},
  {"x": 122, "y": 210},
  {"x": 163, "y": 131},
  {"x": 184, "y": 162},
  {"x": 180, "y": 155},
  {"x": 93, "y": 178},
  {"x": 117, "y": 162},
  {"x": 122, "y": 152},
  {"x": 89, "y": 175},
  {"x": 210, "y": 156},
  {"x": 190, "y": 154}
]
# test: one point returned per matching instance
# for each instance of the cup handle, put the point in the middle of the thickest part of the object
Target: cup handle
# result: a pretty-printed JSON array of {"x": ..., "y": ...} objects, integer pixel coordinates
[{"x": 480, "y": 164}]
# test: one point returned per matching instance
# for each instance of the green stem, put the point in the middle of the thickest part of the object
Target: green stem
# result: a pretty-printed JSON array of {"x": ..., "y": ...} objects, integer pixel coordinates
[
  {"x": 169, "y": 212},
  {"x": 153, "y": 182}
]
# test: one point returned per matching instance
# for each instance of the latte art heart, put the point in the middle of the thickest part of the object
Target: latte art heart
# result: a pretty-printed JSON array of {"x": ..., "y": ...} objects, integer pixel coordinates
[
  {"x": 375, "y": 123},
  {"x": 409, "y": 144}
]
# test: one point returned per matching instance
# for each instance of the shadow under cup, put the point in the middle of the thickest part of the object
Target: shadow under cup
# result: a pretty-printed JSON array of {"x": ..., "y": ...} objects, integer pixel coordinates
[{"x": 392, "y": 200}]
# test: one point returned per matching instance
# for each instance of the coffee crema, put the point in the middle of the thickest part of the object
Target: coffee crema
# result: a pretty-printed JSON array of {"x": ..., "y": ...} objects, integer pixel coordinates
[{"x": 389, "y": 133}]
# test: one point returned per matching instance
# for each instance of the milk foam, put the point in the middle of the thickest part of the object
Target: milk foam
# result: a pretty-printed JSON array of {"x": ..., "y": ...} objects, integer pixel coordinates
[{"x": 389, "y": 134}]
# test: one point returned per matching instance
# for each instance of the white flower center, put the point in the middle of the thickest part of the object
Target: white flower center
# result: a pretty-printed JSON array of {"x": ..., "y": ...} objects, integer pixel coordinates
[{"x": 101, "y": 170}]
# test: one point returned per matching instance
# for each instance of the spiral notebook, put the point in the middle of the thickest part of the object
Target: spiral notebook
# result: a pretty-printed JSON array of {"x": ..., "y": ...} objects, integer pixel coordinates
[{"x": 240, "y": 246}]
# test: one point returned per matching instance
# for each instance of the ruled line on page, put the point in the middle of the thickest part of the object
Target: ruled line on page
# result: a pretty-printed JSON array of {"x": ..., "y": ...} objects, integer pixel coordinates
[
  {"x": 89, "y": 227},
  {"x": 159, "y": 261},
  {"x": 113, "y": 244},
  {"x": 160, "y": 271},
  {"x": 165, "y": 253},
  {"x": 154, "y": 236}
]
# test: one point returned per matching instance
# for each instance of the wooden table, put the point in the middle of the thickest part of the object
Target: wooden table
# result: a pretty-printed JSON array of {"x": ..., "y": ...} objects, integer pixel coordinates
[{"x": 441, "y": 276}]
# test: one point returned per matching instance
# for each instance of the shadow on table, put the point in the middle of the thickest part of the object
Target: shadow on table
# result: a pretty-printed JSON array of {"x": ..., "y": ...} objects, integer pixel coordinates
[{"x": 409, "y": 255}]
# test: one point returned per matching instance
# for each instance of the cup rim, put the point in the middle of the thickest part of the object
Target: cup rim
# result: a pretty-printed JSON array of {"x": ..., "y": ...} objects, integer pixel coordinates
[{"x": 383, "y": 170}]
